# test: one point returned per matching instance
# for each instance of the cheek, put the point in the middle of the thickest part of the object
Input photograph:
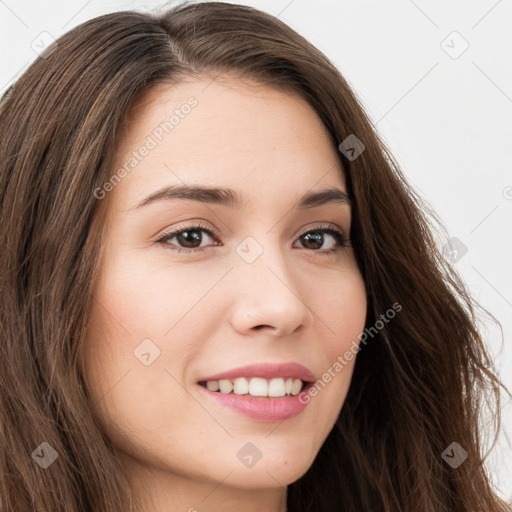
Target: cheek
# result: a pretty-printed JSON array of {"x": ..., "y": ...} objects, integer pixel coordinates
[
  {"x": 343, "y": 315},
  {"x": 126, "y": 392},
  {"x": 141, "y": 314},
  {"x": 149, "y": 295}
]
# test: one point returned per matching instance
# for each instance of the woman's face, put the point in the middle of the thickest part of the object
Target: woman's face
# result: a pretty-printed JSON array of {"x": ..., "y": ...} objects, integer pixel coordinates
[{"x": 260, "y": 290}]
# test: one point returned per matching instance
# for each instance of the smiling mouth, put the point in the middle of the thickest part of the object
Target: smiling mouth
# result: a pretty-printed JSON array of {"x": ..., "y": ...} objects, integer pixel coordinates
[{"x": 257, "y": 386}]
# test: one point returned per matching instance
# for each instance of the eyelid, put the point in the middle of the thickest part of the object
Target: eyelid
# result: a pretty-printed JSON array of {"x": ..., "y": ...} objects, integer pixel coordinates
[
  {"x": 188, "y": 225},
  {"x": 319, "y": 226},
  {"x": 201, "y": 225}
]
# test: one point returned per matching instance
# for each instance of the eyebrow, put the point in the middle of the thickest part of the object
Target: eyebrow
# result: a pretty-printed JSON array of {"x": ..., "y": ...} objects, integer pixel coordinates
[{"x": 229, "y": 197}]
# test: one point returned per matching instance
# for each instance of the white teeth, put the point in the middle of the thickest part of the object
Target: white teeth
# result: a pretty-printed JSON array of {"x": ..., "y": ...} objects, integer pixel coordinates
[
  {"x": 296, "y": 386},
  {"x": 276, "y": 387},
  {"x": 241, "y": 386},
  {"x": 213, "y": 385},
  {"x": 226, "y": 386},
  {"x": 257, "y": 386}
]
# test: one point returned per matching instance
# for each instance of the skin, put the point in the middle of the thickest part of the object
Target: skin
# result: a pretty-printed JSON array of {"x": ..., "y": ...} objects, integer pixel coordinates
[{"x": 203, "y": 309}]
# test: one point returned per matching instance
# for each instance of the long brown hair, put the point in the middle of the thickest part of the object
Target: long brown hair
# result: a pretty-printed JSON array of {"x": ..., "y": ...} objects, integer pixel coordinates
[{"x": 418, "y": 384}]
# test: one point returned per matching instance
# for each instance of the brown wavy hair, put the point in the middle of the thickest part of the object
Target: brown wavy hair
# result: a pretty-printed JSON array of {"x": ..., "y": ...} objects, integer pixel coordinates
[{"x": 418, "y": 385}]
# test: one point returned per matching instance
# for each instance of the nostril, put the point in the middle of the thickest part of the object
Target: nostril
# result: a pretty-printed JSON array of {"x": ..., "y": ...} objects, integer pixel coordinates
[{"x": 258, "y": 327}]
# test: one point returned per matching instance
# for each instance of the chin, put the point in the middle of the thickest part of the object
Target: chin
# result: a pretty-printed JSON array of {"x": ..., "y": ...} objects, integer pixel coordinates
[{"x": 275, "y": 467}]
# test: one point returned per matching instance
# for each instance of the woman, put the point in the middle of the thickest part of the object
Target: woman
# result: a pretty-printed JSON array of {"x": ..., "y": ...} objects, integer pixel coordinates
[{"x": 218, "y": 290}]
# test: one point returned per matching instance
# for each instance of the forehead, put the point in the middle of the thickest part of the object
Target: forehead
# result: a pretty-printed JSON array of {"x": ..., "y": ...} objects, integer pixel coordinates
[{"x": 224, "y": 132}]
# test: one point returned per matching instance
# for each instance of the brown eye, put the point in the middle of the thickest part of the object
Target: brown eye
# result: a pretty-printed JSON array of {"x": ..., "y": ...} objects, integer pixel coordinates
[
  {"x": 188, "y": 238},
  {"x": 315, "y": 239}
]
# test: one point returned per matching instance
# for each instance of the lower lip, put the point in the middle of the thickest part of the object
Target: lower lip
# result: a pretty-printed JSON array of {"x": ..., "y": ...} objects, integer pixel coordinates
[{"x": 262, "y": 408}]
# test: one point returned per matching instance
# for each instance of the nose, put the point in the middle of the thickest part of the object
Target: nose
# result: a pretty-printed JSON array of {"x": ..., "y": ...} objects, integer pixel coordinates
[{"x": 269, "y": 297}]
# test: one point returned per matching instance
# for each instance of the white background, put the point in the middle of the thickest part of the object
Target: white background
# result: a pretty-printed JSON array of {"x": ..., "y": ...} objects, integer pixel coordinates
[{"x": 445, "y": 119}]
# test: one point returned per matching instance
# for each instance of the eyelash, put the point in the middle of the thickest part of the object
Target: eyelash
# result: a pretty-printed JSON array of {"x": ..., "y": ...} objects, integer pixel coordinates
[{"x": 337, "y": 233}]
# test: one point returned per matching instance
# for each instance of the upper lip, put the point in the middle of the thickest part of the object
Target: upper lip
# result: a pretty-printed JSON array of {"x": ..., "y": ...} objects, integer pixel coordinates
[{"x": 266, "y": 371}]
